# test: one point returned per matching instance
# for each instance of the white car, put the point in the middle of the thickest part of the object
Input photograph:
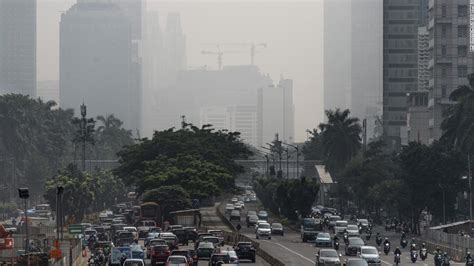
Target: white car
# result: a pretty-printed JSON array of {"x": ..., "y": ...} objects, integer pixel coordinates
[
  {"x": 134, "y": 262},
  {"x": 234, "y": 200},
  {"x": 370, "y": 255},
  {"x": 177, "y": 261},
  {"x": 333, "y": 219},
  {"x": 340, "y": 227},
  {"x": 234, "y": 259},
  {"x": 242, "y": 204},
  {"x": 353, "y": 230},
  {"x": 133, "y": 230},
  {"x": 264, "y": 230},
  {"x": 229, "y": 207}
]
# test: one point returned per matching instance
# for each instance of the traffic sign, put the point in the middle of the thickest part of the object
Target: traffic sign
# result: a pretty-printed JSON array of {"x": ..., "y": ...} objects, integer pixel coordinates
[{"x": 75, "y": 229}]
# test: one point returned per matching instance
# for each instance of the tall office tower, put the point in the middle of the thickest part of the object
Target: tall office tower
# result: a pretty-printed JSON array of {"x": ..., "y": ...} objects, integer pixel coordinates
[
  {"x": 277, "y": 112},
  {"x": 96, "y": 61},
  {"x": 423, "y": 59},
  {"x": 450, "y": 60},
  {"x": 134, "y": 10},
  {"x": 400, "y": 66},
  {"x": 152, "y": 73},
  {"x": 337, "y": 54},
  {"x": 18, "y": 47},
  {"x": 367, "y": 62},
  {"x": 174, "y": 41}
]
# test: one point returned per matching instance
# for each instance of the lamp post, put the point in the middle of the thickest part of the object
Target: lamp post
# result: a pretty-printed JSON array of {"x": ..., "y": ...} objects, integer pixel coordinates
[
  {"x": 24, "y": 194},
  {"x": 265, "y": 154},
  {"x": 444, "y": 202},
  {"x": 297, "y": 157},
  {"x": 287, "y": 163},
  {"x": 469, "y": 178}
]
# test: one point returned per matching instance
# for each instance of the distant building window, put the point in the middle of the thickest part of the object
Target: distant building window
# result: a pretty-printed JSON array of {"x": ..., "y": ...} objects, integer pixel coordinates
[
  {"x": 444, "y": 10},
  {"x": 462, "y": 51},
  {"x": 463, "y": 31},
  {"x": 462, "y": 10},
  {"x": 443, "y": 91},
  {"x": 444, "y": 31},
  {"x": 443, "y": 72},
  {"x": 462, "y": 71},
  {"x": 443, "y": 50}
]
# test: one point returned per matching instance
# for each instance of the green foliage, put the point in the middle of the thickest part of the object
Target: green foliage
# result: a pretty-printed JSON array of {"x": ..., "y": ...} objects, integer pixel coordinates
[
  {"x": 170, "y": 198},
  {"x": 84, "y": 192},
  {"x": 200, "y": 160},
  {"x": 111, "y": 137},
  {"x": 289, "y": 197},
  {"x": 340, "y": 139},
  {"x": 313, "y": 149}
]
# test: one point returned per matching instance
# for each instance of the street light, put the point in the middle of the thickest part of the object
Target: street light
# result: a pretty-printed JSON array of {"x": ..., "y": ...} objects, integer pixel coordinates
[
  {"x": 297, "y": 157},
  {"x": 24, "y": 194},
  {"x": 469, "y": 178}
]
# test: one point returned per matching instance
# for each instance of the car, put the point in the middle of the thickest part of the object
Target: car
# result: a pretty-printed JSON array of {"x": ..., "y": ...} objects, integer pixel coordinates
[
  {"x": 228, "y": 208},
  {"x": 332, "y": 220},
  {"x": 371, "y": 255},
  {"x": 205, "y": 250},
  {"x": 191, "y": 233},
  {"x": 252, "y": 220},
  {"x": 175, "y": 226},
  {"x": 264, "y": 230},
  {"x": 200, "y": 238},
  {"x": 152, "y": 243},
  {"x": 171, "y": 240},
  {"x": 246, "y": 199},
  {"x": 214, "y": 240},
  {"x": 328, "y": 257},
  {"x": 352, "y": 230},
  {"x": 137, "y": 252},
  {"x": 177, "y": 260},
  {"x": 133, "y": 230},
  {"x": 149, "y": 237},
  {"x": 181, "y": 235},
  {"x": 340, "y": 227},
  {"x": 356, "y": 262},
  {"x": 323, "y": 239},
  {"x": 159, "y": 254},
  {"x": 217, "y": 233},
  {"x": 355, "y": 243},
  {"x": 115, "y": 256},
  {"x": 277, "y": 229},
  {"x": 234, "y": 200},
  {"x": 262, "y": 215},
  {"x": 242, "y": 204},
  {"x": 235, "y": 215},
  {"x": 125, "y": 238},
  {"x": 219, "y": 259},
  {"x": 134, "y": 262},
  {"x": 237, "y": 206},
  {"x": 251, "y": 213},
  {"x": 187, "y": 253},
  {"x": 234, "y": 259},
  {"x": 245, "y": 251},
  {"x": 363, "y": 223}
]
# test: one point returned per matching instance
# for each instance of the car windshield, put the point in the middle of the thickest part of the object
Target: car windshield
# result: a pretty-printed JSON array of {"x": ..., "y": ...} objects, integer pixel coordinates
[
  {"x": 253, "y": 217},
  {"x": 363, "y": 221},
  {"x": 356, "y": 262},
  {"x": 133, "y": 263},
  {"x": 262, "y": 213},
  {"x": 251, "y": 213},
  {"x": 352, "y": 227},
  {"x": 277, "y": 226},
  {"x": 324, "y": 235},
  {"x": 211, "y": 239},
  {"x": 356, "y": 241},
  {"x": 328, "y": 254},
  {"x": 341, "y": 223},
  {"x": 176, "y": 259},
  {"x": 370, "y": 251},
  {"x": 206, "y": 245},
  {"x": 264, "y": 226},
  {"x": 160, "y": 248}
]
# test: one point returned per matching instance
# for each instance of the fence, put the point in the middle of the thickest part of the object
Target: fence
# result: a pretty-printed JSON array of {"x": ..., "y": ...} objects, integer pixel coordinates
[{"x": 455, "y": 245}]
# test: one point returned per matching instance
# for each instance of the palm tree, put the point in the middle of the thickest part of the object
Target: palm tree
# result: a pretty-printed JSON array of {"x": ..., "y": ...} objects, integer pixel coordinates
[
  {"x": 111, "y": 137},
  {"x": 340, "y": 139},
  {"x": 458, "y": 124}
]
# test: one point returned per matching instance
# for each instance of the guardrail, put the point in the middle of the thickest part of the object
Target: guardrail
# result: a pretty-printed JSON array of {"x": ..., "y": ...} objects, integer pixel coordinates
[
  {"x": 232, "y": 238},
  {"x": 455, "y": 245}
]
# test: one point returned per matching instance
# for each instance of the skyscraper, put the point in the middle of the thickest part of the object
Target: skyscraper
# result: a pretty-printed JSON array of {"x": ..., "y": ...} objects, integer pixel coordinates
[
  {"x": 337, "y": 54},
  {"x": 18, "y": 47},
  {"x": 96, "y": 61},
  {"x": 400, "y": 64},
  {"x": 450, "y": 59},
  {"x": 366, "y": 62}
]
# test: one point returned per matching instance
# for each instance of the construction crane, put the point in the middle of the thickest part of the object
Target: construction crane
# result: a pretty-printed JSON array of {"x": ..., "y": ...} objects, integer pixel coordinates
[
  {"x": 252, "y": 46},
  {"x": 219, "y": 57}
]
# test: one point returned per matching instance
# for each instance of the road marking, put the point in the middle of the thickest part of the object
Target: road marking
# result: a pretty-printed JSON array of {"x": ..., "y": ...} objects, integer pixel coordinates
[{"x": 294, "y": 252}]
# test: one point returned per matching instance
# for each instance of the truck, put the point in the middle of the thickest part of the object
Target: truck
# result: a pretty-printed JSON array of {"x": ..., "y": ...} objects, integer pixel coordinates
[{"x": 310, "y": 227}]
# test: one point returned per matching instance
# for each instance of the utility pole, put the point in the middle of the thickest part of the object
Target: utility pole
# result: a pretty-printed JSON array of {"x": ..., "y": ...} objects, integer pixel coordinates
[
  {"x": 297, "y": 157},
  {"x": 470, "y": 191},
  {"x": 85, "y": 132},
  {"x": 364, "y": 126}
]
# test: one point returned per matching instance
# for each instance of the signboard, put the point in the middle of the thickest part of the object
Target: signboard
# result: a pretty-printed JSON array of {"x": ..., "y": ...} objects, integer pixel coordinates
[{"x": 75, "y": 229}]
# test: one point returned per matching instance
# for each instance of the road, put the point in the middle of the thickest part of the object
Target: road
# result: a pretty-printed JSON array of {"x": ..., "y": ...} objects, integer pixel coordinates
[{"x": 292, "y": 251}]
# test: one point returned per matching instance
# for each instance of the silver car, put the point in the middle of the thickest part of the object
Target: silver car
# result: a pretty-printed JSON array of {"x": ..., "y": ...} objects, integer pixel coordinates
[{"x": 328, "y": 257}]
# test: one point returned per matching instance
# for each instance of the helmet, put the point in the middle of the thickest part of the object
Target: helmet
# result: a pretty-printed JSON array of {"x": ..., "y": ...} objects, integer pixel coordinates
[
  {"x": 468, "y": 253},
  {"x": 386, "y": 238}
]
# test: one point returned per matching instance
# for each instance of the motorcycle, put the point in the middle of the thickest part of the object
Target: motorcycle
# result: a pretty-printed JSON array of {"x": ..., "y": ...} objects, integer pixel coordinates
[
  {"x": 346, "y": 239},
  {"x": 469, "y": 262},
  {"x": 403, "y": 243},
  {"x": 397, "y": 259},
  {"x": 336, "y": 245},
  {"x": 413, "y": 255},
  {"x": 423, "y": 254},
  {"x": 386, "y": 248},
  {"x": 378, "y": 240},
  {"x": 438, "y": 259},
  {"x": 446, "y": 261}
]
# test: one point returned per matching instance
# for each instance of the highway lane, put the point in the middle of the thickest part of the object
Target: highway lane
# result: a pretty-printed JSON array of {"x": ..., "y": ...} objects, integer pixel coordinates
[{"x": 292, "y": 251}]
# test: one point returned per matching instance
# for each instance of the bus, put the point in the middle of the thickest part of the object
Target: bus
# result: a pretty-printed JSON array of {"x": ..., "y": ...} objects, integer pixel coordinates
[{"x": 150, "y": 211}]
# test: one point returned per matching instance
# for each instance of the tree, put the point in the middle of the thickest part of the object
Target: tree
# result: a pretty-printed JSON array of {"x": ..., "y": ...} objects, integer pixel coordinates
[
  {"x": 111, "y": 137},
  {"x": 313, "y": 149},
  {"x": 458, "y": 124},
  {"x": 170, "y": 198},
  {"x": 340, "y": 139}
]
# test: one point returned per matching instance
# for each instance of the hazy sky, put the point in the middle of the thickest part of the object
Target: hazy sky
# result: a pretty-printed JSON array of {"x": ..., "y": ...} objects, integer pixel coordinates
[{"x": 291, "y": 29}]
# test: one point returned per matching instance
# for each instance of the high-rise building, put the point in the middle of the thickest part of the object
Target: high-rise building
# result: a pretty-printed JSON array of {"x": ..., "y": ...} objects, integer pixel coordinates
[
  {"x": 48, "y": 90},
  {"x": 174, "y": 46},
  {"x": 400, "y": 64},
  {"x": 18, "y": 47},
  {"x": 417, "y": 117},
  {"x": 367, "y": 62},
  {"x": 134, "y": 10},
  {"x": 423, "y": 59},
  {"x": 277, "y": 112},
  {"x": 96, "y": 61},
  {"x": 450, "y": 59},
  {"x": 337, "y": 54}
]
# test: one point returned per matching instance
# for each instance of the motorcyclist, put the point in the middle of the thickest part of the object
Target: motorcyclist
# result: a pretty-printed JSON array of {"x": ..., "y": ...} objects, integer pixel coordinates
[
  {"x": 397, "y": 251},
  {"x": 123, "y": 258},
  {"x": 413, "y": 247},
  {"x": 468, "y": 257},
  {"x": 386, "y": 241},
  {"x": 438, "y": 257}
]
